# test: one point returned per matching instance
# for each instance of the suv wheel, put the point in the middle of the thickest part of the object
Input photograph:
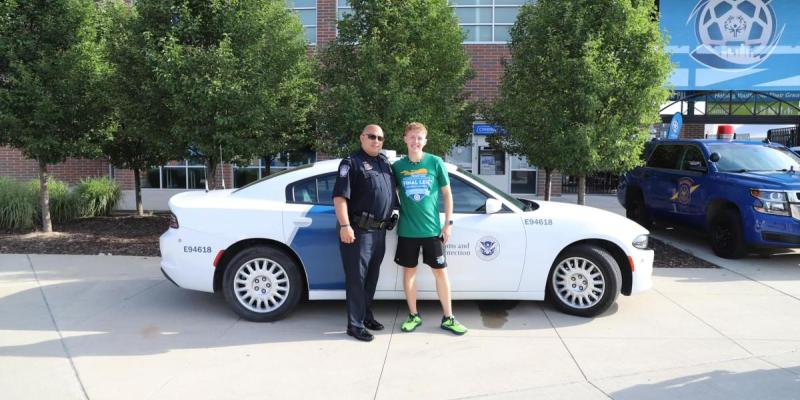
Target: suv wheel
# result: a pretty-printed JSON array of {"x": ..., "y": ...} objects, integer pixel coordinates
[
  {"x": 636, "y": 211},
  {"x": 727, "y": 237}
]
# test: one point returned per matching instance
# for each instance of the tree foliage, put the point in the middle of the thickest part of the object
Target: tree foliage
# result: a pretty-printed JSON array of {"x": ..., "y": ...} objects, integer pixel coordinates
[
  {"x": 142, "y": 120},
  {"x": 394, "y": 62},
  {"x": 585, "y": 81},
  {"x": 235, "y": 72},
  {"x": 52, "y": 102}
]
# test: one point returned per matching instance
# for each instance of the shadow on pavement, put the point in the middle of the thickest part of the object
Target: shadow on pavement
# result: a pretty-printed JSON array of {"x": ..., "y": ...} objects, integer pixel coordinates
[
  {"x": 760, "y": 384},
  {"x": 127, "y": 316}
]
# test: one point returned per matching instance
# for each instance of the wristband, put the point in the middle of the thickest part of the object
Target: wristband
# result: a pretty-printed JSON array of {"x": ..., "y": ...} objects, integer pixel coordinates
[{"x": 345, "y": 225}]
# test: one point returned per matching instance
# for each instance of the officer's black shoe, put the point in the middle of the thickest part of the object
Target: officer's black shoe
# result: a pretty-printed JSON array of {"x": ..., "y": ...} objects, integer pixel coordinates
[
  {"x": 373, "y": 325},
  {"x": 360, "y": 334}
]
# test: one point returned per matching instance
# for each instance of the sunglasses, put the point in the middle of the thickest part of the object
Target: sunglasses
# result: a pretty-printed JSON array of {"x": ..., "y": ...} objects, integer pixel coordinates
[{"x": 372, "y": 136}]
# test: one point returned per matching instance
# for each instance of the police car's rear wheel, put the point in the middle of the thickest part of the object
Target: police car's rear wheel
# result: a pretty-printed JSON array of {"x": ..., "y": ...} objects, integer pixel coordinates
[
  {"x": 262, "y": 284},
  {"x": 584, "y": 281}
]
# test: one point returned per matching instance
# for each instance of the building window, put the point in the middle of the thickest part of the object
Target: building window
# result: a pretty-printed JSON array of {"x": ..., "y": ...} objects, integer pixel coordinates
[
  {"x": 486, "y": 21},
  {"x": 461, "y": 156},
  {"x": 523, "y": 176},
  {"x": 491, "y": 162},
  {"x": 342, "y": 8},
  {"x": 175, "y": 175},
  {"x": 307, "y": 11},
  {"x": 244, "y": 174}
]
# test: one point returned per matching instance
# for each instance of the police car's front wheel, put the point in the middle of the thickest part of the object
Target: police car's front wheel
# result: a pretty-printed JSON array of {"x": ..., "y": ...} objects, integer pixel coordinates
[
  {"x": 584, "y": 281},
  {"x": 262, "y": 284}
]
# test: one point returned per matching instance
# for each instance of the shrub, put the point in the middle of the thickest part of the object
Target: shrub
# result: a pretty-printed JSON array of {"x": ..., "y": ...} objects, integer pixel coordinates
[
  {"x": 17, "y": 208},
  {"x": 97, "y": 196},
  {"x": 64, "y": 205}
]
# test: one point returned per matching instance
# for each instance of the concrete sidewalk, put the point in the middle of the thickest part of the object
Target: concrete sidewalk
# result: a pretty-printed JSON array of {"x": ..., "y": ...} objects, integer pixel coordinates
[{"x": 93, "y": 327}]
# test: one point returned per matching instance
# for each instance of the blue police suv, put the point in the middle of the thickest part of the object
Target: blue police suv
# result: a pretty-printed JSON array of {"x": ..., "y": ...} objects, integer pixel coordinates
[{"x": 746, "y": 195}]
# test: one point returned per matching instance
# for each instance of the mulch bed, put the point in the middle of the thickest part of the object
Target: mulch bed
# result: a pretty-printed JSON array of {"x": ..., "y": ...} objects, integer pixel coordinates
[
  {"x": 131, "y": 235},
  {"x": 119, "y": 235},
  {"x": 667, "y": 256}
]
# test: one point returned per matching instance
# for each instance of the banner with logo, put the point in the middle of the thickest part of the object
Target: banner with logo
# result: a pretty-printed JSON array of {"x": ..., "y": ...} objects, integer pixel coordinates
[{"x": 733, "y": 44}]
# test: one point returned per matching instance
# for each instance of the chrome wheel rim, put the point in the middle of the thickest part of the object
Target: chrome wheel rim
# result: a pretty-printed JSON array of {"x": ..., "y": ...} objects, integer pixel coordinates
[
  {"x": 261, "y": 285},
  {"x": 578, "y": 282}
]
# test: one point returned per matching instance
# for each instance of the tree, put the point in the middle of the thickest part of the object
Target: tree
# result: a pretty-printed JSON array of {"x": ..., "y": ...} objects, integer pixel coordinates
[
  {"x": 141, "y": 135},
  {"x": 394, "y": 62},
  {"x": 238, "y": 78},
  {"x": 52, "y": 105},
  {"x": 585, "y": 81}
]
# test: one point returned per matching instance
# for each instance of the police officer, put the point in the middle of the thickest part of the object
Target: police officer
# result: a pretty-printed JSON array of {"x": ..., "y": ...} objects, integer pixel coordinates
[{"x": 363, "y": 197}]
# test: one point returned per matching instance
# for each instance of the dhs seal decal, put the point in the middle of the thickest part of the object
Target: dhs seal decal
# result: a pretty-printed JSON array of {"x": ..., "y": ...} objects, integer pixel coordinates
[
  {"x": 487, "y": 248},
  {"x": 734, "y": 34}
]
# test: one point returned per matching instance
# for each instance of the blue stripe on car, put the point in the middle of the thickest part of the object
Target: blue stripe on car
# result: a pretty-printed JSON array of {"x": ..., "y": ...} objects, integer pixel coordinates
[{"x": 317, "y": 245}]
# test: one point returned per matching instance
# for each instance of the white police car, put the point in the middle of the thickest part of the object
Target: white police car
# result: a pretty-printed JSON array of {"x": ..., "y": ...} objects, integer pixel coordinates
[{"x": 270, "y": 243}]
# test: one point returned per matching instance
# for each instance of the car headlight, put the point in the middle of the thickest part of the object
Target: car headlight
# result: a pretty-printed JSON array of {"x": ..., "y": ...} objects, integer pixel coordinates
[
  {"x": 770, "y": 202},
  {"x": 641, "y": 242}
]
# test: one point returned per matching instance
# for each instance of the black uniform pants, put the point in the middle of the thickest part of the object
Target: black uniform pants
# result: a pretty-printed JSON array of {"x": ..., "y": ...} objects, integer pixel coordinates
[{"x": 362, "y": 262}]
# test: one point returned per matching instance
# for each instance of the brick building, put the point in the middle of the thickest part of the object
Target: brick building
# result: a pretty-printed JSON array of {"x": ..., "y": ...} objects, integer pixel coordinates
[{"x": 486, "y": 24}]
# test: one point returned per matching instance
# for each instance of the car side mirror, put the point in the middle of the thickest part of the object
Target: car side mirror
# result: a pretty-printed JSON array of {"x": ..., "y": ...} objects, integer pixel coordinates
[
  {"x": 715, "y": 157},
  {"x": 493, "y": 206}
]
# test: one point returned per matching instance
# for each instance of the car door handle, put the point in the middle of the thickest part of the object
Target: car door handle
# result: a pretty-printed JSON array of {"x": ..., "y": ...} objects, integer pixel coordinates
[{"x": 302, "y": 222}]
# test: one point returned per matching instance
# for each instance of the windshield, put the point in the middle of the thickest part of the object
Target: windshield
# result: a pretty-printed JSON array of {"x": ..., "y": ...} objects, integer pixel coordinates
[
  {"x": 505, "y": 195},
  {"x": 744, "y": 158}
]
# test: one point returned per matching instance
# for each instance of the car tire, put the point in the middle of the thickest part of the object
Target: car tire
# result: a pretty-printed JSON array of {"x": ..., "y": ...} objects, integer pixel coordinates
[
  {"x": 727, "y": 236},
  {"x": 570, "y": 286},
  {"x": 262, "y": 284},
  {"x": 636, "y": 211}
]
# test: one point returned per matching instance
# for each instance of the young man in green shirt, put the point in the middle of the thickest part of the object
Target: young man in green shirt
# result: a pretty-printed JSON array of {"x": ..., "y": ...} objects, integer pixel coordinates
[{"x": 420, "y": 177}]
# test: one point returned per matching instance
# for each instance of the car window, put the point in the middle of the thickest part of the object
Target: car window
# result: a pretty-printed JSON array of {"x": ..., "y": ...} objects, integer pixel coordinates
[
  {"x": 693, "y": 159},
  {"x": 305, "y": 192},
  {"x": 316, "y": 190},
  {"x": 665, "y": 156},
  {"x": 325, "y": 189},
  {"x": 467, "y": 199}
]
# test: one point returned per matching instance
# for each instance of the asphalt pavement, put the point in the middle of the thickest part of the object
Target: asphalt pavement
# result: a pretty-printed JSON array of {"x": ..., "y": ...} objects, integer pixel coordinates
[{"x": 103, "y": 327}]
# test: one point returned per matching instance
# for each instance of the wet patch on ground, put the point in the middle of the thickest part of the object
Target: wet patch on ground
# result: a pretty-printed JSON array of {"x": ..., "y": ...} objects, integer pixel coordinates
[{"x": 494, "y": 314}]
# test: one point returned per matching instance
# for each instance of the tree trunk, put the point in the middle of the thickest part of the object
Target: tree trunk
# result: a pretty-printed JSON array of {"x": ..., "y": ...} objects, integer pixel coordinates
[
  {"x": 211, "y": 172},
  {"x": 582, "y": 189},
  {"x": 137, "y": 188},
  {"x": 268, "y": 165},
  {"x": 548, "y": 183},
  {"x": 44, "y": 199}
]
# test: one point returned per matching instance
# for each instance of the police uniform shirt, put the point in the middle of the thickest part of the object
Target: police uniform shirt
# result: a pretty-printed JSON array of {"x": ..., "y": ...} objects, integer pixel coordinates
[{"x": 368, "y": 185}]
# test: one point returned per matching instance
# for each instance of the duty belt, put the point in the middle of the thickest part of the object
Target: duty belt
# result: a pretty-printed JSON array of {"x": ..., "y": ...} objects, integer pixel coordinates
[{"x": 368, "y": 221}]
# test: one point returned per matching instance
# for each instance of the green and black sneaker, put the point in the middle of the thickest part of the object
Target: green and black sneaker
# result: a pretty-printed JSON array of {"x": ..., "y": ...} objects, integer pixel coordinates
[
  {"x": 411, "y": 323},
  {"x": 451, "y": 324}
]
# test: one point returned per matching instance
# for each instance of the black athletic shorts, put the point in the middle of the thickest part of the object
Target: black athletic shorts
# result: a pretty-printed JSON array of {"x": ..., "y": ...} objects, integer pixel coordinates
[{"x": 407, "y": 254}]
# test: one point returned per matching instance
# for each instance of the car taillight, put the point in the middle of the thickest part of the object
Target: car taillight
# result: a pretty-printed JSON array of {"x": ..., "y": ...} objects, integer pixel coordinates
[{"x": 173, "y": 221}]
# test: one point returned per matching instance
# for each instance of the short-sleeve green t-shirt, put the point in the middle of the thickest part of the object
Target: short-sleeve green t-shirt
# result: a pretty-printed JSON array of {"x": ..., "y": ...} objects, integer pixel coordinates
[{"x": 419, "y": 185}]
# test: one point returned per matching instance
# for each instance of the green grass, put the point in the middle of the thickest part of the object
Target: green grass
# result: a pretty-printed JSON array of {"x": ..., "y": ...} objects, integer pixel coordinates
[
  {"x": 97, "y": 196},
  {"x": 64, "y": 205},
  {"x": 19, "y": 201},
  {"x": 17, "y": 210}
]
